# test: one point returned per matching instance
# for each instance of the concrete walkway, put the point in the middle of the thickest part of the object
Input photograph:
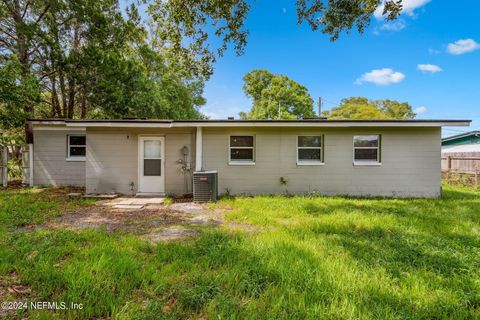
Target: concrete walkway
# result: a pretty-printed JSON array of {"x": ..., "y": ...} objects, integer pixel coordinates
[{"x": 131, "y": 203}]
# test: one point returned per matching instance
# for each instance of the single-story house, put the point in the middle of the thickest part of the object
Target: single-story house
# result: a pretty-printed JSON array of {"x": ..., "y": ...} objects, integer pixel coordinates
[{"x": 393, "y": 158}]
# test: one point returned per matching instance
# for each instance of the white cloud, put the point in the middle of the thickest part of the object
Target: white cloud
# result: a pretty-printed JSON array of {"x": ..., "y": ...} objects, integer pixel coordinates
[
  {"x": 393, "y": 26},
  {"x": 420, "y": 110},
  {"x": 382, "y": 77},
  {"x": 408, "y": 7},
  {"x": 429, "y": 68},
  {"x": 433, "y": 51},
  {"x": 463, "y": 46}
]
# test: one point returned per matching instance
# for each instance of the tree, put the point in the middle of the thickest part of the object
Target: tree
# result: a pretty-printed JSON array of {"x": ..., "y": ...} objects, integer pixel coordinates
[
  {"x": 360, "y": 108},
  {"x": 17, "y": 89},
  {"x": 276, "y": 96},
  {"x": 87, "y": 59},
  {"x": 184, "y": 28},
  {"x": 395, "y": 110}
]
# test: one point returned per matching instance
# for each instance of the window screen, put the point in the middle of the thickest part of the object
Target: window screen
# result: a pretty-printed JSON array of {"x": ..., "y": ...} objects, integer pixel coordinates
[
  {"x": 77, "y": 146},
  {"x": 366, "y": 148},
  {"x": 309, "y": 149},
  {"x": 241, "y": 148}
]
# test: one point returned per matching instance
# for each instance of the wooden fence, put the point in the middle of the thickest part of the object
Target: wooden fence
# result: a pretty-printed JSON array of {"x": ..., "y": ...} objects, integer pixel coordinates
[
  {"x": 15, "y": 164},
  {"x": 466, "y": 163},
  {"x": 461, "y": 161}
]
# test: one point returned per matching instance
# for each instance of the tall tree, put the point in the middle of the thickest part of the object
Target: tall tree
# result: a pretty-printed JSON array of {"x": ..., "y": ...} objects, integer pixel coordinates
[
  {"x": 276, "y": 96},
  {"x": 185, "y": 28},
  {"x": 360, "y": 108},
  {"x": 88, "y": 59}
]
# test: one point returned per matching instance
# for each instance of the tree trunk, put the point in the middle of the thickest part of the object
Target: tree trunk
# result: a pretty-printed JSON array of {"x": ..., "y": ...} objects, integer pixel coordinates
[
  {"x": 71, "y": 97},
  {"x": 56, "y": 111},
  {"x": 83, "y": 110},
  {"x": 71, "y": 79},
  {"x": 22, "y": 55},
  {"x": 63, "y": 91}
]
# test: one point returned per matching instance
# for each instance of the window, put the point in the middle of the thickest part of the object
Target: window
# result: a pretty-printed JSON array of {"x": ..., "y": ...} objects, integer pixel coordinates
[
  {"x": 241, "y": 150},
  {"x": 366, "y": 149},
  {"x": 152, "y": 158},
  {"x": 309, "y": 150},
  {"x": 77, "y": 146}
]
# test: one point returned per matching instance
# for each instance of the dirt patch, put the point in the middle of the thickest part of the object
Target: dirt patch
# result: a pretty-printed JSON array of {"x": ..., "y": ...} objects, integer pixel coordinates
[
  {"x": 149, "y": 219},
  {"x": 11, "y": 290}
]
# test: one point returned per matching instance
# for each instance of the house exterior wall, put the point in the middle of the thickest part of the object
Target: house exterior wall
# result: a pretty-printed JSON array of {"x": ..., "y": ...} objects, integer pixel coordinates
[
  {"x": 410, "y": 162},
  {"x": 50, "y": 159},
  {"x": 112, "y": 159}
]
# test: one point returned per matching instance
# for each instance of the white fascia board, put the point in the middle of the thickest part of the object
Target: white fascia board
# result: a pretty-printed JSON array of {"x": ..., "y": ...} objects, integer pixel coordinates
[
  {"x": 57, "y": 127},
  {"x": 214, "y": 124},
  {"x": 48, "y": 122},
  {"x": 321, "y": 124},
  {"x": 119, "y": 125}
]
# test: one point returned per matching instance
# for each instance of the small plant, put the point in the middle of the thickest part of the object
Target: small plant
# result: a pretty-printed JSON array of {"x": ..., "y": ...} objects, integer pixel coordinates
[
  {"x": 132, "y": 187},
  {"x": 283, "y": 181},
  {"x": 15, "y": 169},
  {"x": 313, "y": 194},
  {"x": 168, "y": 201},
  {"x": 227, "y": 194}
]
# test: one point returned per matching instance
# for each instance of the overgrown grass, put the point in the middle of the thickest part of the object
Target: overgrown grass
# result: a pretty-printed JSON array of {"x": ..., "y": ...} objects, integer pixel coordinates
[
  {"x": 309, "y": 258},
  {"x": 24, "y": 206}
]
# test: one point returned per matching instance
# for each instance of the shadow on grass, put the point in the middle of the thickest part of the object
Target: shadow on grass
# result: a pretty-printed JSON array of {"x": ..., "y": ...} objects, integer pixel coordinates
[
  {"x": 447, "y": 262},
  {"x": 218, "y": 274},
  {"x": 460, "y": 194}
]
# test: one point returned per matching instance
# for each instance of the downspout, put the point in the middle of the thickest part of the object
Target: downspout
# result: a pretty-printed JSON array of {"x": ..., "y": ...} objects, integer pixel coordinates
[
  {"x": 30, "y": 154},
  {"x": 199, "y": 149},
  {"x": 4, "y": 166},
  {"x": 30, "y": 164}
]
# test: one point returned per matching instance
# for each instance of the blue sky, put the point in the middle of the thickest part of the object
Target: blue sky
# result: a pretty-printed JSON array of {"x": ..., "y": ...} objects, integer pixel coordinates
[
  {"x": 440, "y": 37},
  {"x": 334, "y": 70}
]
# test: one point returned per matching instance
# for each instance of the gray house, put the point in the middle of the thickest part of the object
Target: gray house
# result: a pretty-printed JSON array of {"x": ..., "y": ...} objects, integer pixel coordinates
[{"x": 399, "y": 158}]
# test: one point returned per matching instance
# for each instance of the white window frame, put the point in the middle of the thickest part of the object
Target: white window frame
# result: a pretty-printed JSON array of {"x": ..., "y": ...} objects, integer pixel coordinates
[
  {"x": 368, "y": 162},
  {"x": 236, "y": 162},
  {"x": 320, "y": 162},
  {"x": 75, "y": 158}
]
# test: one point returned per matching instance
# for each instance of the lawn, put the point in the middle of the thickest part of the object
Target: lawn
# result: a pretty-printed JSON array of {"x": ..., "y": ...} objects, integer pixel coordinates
[{"x": 304, "y": 258}]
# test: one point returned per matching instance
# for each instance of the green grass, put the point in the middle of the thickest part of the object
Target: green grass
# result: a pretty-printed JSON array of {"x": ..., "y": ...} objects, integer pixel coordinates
[
  {"x": 20, "y": 207},
  {"x": 308, "y": 258}
]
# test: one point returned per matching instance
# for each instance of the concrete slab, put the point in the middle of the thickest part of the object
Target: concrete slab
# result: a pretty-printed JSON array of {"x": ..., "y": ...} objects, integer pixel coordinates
[
  {"x": 136, "y": 201},
  {"x": 101, "y": 196},
  {"x": 127, "y": 206}
]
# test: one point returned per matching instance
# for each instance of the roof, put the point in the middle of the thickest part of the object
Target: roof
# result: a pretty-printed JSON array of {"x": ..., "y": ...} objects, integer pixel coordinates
[
  {"x": 474, "y": 147},
  {"x": 162, "y": 123},
  {"x": 461, "y": 135}
]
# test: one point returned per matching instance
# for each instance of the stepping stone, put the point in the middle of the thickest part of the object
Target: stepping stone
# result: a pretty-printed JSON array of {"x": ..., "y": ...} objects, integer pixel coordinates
[{"x": 74, "y": 195}]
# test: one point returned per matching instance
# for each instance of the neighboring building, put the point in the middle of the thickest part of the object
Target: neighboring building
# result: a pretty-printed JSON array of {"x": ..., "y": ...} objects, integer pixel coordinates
[
  {"x": 461, "y": 152},
  {"x": 467, "y": 138},
  {"x": 396, "y": 158}
]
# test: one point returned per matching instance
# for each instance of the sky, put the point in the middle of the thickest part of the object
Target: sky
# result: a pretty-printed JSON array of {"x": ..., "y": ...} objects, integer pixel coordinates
[{"x": 429, "y": 57}]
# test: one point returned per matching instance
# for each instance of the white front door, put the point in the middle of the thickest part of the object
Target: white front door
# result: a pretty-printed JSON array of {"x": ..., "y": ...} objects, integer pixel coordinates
[{"x": 151, "y": 164}]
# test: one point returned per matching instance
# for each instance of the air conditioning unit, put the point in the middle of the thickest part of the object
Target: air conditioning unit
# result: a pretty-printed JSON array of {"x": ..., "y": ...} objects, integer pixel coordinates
[{"x": 205, "y": 186}]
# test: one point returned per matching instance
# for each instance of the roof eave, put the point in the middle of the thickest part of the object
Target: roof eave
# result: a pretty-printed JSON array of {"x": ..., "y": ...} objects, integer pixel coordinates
[
  {"x": 213, "y": 124},
  {"x": 246, "y": 123}
]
